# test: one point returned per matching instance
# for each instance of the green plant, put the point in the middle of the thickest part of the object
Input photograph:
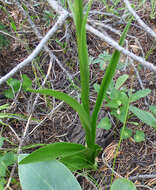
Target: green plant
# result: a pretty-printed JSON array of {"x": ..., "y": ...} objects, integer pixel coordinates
[
  {"x": 11, "y": 20},
  {"x": 74, "y": 156},
  {"x": 111, "y": 7},
  {"x": 103, "y": 59},
  {"x": 6, "y": 159},
  {"x": 63, "y": 45},
  {"x": 116, "y": 100},
  {"x": 4, "y": 115},
  {"x": 15, "y": 85},
  {"x": 8, "y": 156}
]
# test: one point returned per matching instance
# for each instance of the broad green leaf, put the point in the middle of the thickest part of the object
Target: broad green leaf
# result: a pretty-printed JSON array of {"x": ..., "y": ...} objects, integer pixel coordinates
[
  {"x": 139, "y": 94},
  {"x": 121, "y": 80},
  {"x": 76, "y": 162},
  {"x": 50, "y": 175},
  {"x": 53, "y": 151},
  {"x": 9, "y": 158},
  {"x": 3, "y": 168},
  {"x": 123, "y": 184},
  {"x": 14, "y": 83},
  {"x": 8, "y": 93},
  {"x": 15, "y": 86},
  {"x": 125, "y": 133},
  {"x": 79, "y": 160},
  {"x": 115, "y": 94},
  {"x": 144, "y": 116},
  {"x": 153, "y": 109},
  {"x": 27, "y": 82},
  {"x": 139, "y": 136},
  {"x": 83, "y": 159},
  {"x": 105, "y": 123},
  {"x": 70, "y": 101}
]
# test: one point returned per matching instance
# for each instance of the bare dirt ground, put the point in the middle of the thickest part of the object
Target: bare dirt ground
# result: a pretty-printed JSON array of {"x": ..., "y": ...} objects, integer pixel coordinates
[{"x": 56, "y": 121}]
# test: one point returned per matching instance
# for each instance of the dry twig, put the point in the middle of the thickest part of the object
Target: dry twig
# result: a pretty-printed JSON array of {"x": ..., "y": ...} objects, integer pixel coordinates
[
  {"x": 138, "y": 19},
  {"x": 37, "y": 50}
]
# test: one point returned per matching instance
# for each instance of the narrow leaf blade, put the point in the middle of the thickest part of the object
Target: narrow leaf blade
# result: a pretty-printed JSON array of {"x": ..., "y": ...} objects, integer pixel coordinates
[{"x": 110, "y": 71}]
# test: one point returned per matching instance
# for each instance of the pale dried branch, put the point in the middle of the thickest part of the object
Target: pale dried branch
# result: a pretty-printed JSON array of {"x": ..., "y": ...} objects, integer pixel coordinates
[
  {"x": 38, "y": 34},
  {"x": 18, "y": 152},
  {"x": 108, "y": 40},
  {"x": 146, "y": 176},
  {"x": 121, "y": 49},
  {"x": 62, "y": 18},
  {"x": 138, "y": 19},
  {"x": 37, "y": 50}
]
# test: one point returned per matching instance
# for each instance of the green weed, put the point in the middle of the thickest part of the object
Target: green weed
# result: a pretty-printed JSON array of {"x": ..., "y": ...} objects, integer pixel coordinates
[
  {"x": 74, "y": 156},
  {"x": 15, "y": 85}
]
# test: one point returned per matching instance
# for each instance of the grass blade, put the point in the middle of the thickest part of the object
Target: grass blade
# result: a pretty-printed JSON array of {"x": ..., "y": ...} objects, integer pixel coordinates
[{"x": 110, "y": 71}]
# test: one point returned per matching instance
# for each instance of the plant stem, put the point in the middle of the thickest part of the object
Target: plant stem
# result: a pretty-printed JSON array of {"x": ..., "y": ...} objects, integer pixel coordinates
[{"x": 118, "y": 147}]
